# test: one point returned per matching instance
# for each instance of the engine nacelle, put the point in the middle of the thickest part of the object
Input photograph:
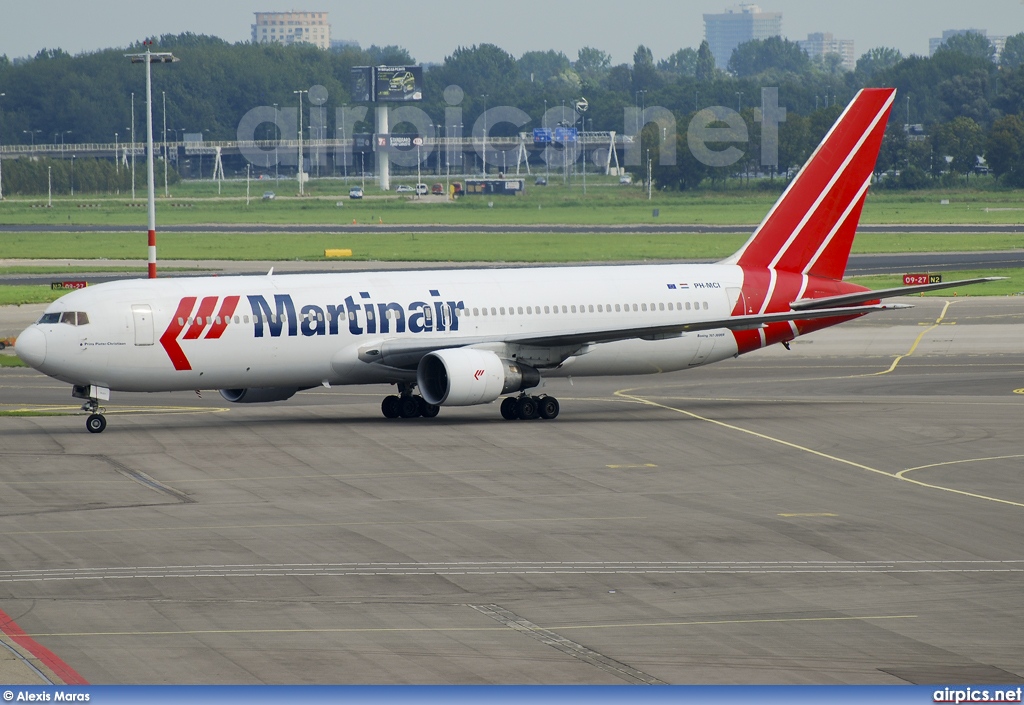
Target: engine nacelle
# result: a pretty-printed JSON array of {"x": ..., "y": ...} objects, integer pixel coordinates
[
  {"x": 465, "y": 376},
  {"x": 258, "y": 395}
]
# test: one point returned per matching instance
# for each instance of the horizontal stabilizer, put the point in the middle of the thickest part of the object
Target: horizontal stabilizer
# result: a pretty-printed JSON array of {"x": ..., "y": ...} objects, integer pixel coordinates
[{"x": 862, "y": 296}]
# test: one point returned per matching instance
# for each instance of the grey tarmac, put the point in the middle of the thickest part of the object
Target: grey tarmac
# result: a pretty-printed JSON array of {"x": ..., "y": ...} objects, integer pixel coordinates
[{"x": 849, "y": 511}]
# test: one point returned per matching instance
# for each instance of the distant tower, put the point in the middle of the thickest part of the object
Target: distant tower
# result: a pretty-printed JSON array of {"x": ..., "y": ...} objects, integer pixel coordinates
[
  {"x": 736, "y": 25},
  {"x": 291, "y": 28}
]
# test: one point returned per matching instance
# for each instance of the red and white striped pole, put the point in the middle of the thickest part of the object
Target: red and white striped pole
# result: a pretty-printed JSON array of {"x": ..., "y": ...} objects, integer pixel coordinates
[{"x": 149, "y": 58}]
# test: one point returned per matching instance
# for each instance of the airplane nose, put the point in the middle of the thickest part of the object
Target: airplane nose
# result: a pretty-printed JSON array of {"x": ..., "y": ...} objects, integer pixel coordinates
[{"x": 30, "y": 346}]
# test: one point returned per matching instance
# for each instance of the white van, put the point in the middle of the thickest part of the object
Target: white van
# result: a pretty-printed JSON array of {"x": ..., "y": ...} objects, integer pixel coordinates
[{"x": 422, "y": 190}]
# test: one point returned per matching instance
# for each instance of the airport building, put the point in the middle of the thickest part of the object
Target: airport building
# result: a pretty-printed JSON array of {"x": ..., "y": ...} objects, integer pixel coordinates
[
  {"x": 738, "y": 24},
  {"x": 292, "y": 28},
  {"x": 820, "y": 44}
]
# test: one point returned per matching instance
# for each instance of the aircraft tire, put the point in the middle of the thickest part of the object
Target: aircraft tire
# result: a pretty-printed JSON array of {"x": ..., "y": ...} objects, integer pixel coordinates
[
  {"x": 389, "y": 407},
  {"x": 427, "y": 410},
  {"x": 526, "y": 407},
  {"x": 408, "y": 407},
  {"x": 509, "y": 410},
  {"x": 95, "y": 423},
  {"x": 548, "y": 407}
]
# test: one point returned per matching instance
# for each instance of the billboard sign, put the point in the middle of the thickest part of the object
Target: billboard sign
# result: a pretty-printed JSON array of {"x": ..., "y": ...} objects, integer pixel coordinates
[
  {"x": 362, "y": 84},
  {"x": 397, "y": 142},
  {"x": 541, "y": 135},
  {"x": 398, "y": 84}
]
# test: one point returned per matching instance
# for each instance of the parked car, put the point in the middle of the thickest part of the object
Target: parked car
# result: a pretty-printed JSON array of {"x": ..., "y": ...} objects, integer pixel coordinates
[
  {"x": 269, "y": 195},
  {"x": 541, "y": 181},
  {"x": 355, "y": 192},
  {"x": 437, "y": 189},
  {"x": 421, "y": 190},
  {"x": 626, "y": 179},
  {"x": 405, "y": 188}
]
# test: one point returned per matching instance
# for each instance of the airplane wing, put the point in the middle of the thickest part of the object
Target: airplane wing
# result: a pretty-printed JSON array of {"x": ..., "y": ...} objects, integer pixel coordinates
[
  {"x": 405, "y": 353},
  {"x": 862, "y": 296}
]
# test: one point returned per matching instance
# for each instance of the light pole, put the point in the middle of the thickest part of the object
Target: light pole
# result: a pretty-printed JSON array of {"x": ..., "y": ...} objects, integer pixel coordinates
[
  {"x": 166, "y": 192},
  {"x": 299, "y": 93},
  {"x": 484, "y": 96},
  {"x": 72, "y": 175},
  {"x": 344, "y": 136},
  {"x": 2, "y": 166},
  {"x": 277, "y": 143},
  {"x": 49, "y": 187},
  {"x": 133, "y": 145},
  {"x": 32, "y": 135},
  {"x": 149, "y": 58}
]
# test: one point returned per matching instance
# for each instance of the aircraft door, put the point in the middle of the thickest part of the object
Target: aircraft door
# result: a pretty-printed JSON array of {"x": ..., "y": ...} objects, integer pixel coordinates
[
  {"x": 736, "y": 296},
  {"x": 143, "y": 315}
]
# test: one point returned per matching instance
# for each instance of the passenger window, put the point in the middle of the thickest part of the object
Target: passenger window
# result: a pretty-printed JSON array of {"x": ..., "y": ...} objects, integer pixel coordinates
[
  {"x": 369, "y": 315},
  {"x": 476, "y": 312},
  {"x": 181, "y": 321},
  {"x": 547, "y": 310},
  {"x": 245, "y": 319},
  {"x": 502, "y": 310},
  {"x": 661, "y": 307},
  {"x": 687, "y": 305},
  {"x": 521, "y": 310},
  {"x": 643, "y": 307},
  {"x": 634, "y": 307},
  {"x": 705, "y": 305},
  {"x": 616, "y": 308},
  {"x": 669, "y": 305},
  {"x": 600, "y": 308},
  {"x": 591, "y": 308},
  {"x": 565, "y": 309},
  {"x": 529, "y": 310},
  {"x": 574, "y": 308}
]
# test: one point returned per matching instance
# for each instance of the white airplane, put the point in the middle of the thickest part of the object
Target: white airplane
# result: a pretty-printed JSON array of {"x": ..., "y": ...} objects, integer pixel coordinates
[{"x": 469, "y": 336}]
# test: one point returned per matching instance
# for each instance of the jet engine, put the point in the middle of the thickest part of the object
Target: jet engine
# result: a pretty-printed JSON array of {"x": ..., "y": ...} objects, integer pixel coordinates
[
  {"x": 258, "y": 395},
  {"x": 465, "y": 376}
]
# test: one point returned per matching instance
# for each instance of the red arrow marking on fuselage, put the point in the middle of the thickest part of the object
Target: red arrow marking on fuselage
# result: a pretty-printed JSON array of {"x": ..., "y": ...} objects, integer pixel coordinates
[
  {"x": 478, "y": 375},
  {"x": 170, "y": 337},
  {"x": 227, "y": 309},
  {"x": 199, "y": 322}
]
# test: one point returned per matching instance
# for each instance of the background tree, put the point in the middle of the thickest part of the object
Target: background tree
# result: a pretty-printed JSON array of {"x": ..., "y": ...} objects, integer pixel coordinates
[
  {"x": 970, "y": 44},
  {"x": 705, "y": 68},
  {"x": 645, "y": 75},
  {"x": 876, "y": 60},
  {"x": 681, "y": 63},
  {"x": 1004, "y": 149},
  {"x": 759, "y": 55},
  {"x": 1013, "y": 52},
  {"x": 963, "y": 140},
  {"x": 592, "y": 64}
]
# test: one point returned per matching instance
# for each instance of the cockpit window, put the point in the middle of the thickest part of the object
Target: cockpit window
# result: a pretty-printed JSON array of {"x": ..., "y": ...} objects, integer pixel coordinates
[{"x": 73, "y": 318}]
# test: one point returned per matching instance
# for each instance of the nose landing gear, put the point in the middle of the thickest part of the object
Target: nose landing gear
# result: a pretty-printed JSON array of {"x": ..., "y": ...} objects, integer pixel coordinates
[
  {"x": 93, "y": 395},
  {"x": 96, "y": 421}
]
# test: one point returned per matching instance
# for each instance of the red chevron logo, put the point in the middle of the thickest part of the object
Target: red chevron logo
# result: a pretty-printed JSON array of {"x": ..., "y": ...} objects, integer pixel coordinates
[
  {"x": 204, "y": 319},
  {"x": 478, "y": 375}
]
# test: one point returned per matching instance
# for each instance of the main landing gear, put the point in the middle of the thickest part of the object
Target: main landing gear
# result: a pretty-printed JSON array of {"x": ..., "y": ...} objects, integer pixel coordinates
[
  {"x": 529, "y": 408},
  {"x": 406, "y": 405}
]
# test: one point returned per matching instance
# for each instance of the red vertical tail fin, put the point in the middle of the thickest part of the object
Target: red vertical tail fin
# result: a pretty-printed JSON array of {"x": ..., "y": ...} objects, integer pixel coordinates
[{"x": 810, "y": 228}]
